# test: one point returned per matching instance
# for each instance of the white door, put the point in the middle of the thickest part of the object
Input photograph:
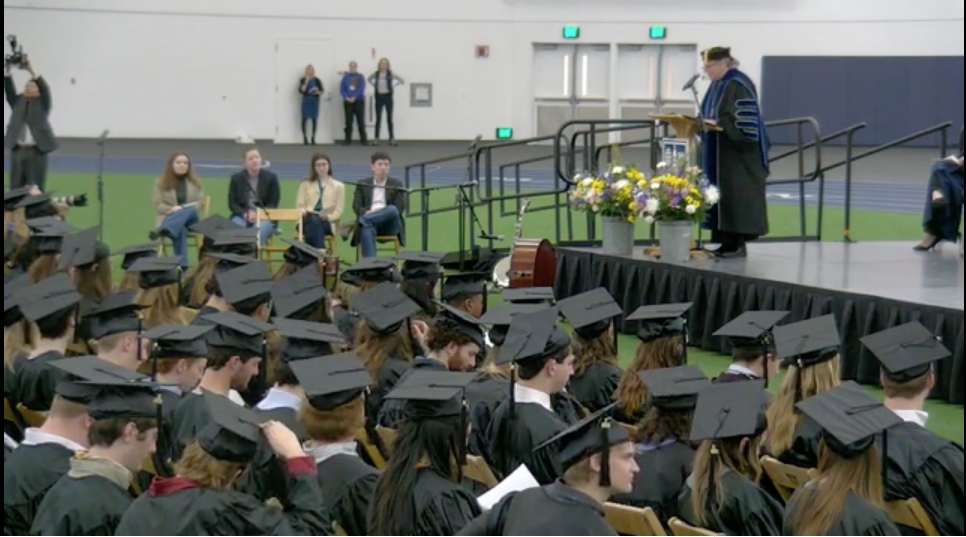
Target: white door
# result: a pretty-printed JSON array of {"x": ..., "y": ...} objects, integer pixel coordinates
[
  {"x": 569, "y": 82},
  {"x": 291, "y": 58},
  {"x": 652, "y": 78}
]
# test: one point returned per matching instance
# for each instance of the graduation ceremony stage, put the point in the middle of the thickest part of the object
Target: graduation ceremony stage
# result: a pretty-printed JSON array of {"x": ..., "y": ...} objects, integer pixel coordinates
[{"x": 869, "y": 286}]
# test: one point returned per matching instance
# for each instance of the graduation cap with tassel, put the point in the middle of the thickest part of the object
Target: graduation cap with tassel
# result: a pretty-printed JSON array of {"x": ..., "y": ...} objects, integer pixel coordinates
[
  {"x": 807, "y": 344},
  {"x": 754, "y": 330},
  {"x": 591, "y": 314}
]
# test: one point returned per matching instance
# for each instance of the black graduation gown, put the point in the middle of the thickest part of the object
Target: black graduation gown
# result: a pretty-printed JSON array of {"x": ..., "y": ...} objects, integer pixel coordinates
[
  {"x": 441, "y": 507},
  {"x": 14, "y": 429},
  {"x": 555, "y": 509},
  {"x": 202, "y": 311},
  {"x": 859, "y": 517},
  {"x": 392, "y": 371},
  {"x": 663, "y": 471},
  {"x": 35, "y": 381},
  {"x": 567, "y": 408},
  {"x": 929, "y": 468},
  {"x": 596, "y": 387},
  {"x": 484, "y": 396},
  {"x": 266, "y": 477},
  {"x": 346, "y": 322},
  {"x": 735, "y": 376},
  {"x": 803, "y": 452},
  {"x": 745, "y": 509},
  {"x": 179, "y": 507},
  {"x": 28, "y": 474},
  {"x": 6, "y": 453},
  {"x": 513, "y": 441},
  {"x": 348, "y": 485},
  {"x": 187, "y": 420},
  {"x": 393, "y": 411},
  {"x": 90, "y": 505},
  {"x": 943, "y": 221}
]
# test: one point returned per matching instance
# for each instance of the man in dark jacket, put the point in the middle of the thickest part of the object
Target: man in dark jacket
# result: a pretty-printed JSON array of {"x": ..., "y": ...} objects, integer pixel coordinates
[
  {"x": 379, "y": 204},
  {"x": 252, "y": 189},
  {"x": 29, "y": 135}
]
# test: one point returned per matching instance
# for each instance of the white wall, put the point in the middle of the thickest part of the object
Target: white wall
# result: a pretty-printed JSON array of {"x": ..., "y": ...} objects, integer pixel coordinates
[{"x": 205, "y": 69}]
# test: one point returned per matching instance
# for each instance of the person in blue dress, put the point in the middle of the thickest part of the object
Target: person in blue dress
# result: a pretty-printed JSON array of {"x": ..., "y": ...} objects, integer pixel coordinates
[
  {"x": 944, "y": 208},
  {"x": 311, "y": 89}
]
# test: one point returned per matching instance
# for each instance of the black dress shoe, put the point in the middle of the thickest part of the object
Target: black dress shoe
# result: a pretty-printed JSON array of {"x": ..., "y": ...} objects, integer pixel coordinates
[
  {"x": 740, "y": 252},
  {"x": 154, "y": 235}
]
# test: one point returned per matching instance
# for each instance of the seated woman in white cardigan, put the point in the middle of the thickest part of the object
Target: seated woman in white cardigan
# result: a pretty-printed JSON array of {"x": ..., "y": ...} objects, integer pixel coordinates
[
  {"x": 322, "y": 200},
  {"x": 177, "y": 196}
]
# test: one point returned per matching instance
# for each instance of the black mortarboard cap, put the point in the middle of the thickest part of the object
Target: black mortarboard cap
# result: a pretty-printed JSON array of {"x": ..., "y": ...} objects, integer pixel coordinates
[
  {"x": 370, "y": 269},
  {"x": 124, "y": 400},
  {"x": 237, "y": 332},
  {"x": 12, "y": 313},
  {"x": 661, "y": 321},
  {"x": 307, "y": 339},
  {"x": 12, "y": 197},
  {"x": 229, "y": 261},
  {"x": 301, "y": 254},
  {"x": 465, "y": 285},
  {"x": 79, "y": 385},
  {"x": 298, "y": 305},
  {"x": 715, "y": 54},
  {"x": 421, "y": 265},
  {"x": 730, "y": 410},
  {"x": 332, "y": 381},
  {"x": 460, "y": 322},
  {"x": 49, "y": 238},
  {"x": 131, "y": 254},
  {"x": 593, "y": 435},
  {"x": 431, "y": 395},
  {"x": 179, "y": 341},
  {"x": 210, "y": 226},
  {"x": 808, "y": 343},
  {"x": 533, "y": 336},
  {"x": 906, "y": 352},
  {"x": 529, "y": 295},
  {"x": 500, "y": 318},
  {"x": 48, "y": 297},
  {"x": 31, "y": 201},
  {"x": 118, "y": 313},
  {"x": 385, "y": 308},
  {"x": 154, "y": 272},
  {"x": 229, "y": 239},
  {"x": 850, "y": 418},
  {"x": 79, "y": 249},
  {"x": 233, "y": 432},
  {"x": 247, "y": 286},
  {"x": 590, "y": 313},
  {"x": 675, "y": 388},
  {"x": 752, "y": 329},
  {"x": 49, "y": 224}
]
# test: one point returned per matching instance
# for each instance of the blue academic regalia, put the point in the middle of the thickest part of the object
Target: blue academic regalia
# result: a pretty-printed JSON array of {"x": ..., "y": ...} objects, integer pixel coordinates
[
  {"x": 942, "y": 221},
  {"x": 310, "y": 102}
]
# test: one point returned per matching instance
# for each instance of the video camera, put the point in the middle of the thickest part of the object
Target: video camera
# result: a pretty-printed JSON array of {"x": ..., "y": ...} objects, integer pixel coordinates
[{"x": 18, "y": 59}]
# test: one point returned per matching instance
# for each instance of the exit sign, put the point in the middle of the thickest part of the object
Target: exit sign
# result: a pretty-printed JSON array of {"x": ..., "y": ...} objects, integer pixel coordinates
[
  {"x": 504, "y": 133},
  {"x": 658, "y": 32},
  {"x": 571, "y": 32}
]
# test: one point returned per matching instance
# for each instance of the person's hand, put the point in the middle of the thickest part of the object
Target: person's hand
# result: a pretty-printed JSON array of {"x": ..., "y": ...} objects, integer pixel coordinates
[
  {"x": 34, "y": 191},
  {"x": 282, "y": 440},
  {"x": 960, "y": 161},
  {"x": 175, "y": 209},
  {"x": 420, "y": 332},
  {"x": 351, "y": 100},
  {"x": 251, "y": 217},
  {"x": 29, "y": 67}
]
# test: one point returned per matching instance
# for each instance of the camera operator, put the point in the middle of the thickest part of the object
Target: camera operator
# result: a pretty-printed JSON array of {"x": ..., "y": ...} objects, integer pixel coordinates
[{"x": 29, "y": 135}]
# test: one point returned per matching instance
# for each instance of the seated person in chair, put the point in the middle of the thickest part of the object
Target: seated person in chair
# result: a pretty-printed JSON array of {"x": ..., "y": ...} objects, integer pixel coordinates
[
  {"x": 379, "y": 203},
  {"x": 322, "y": 201},
  {"x": 252, "y": 189},
  {"x": 177, "y": 196},
  {"x": 945, "y": 205}
]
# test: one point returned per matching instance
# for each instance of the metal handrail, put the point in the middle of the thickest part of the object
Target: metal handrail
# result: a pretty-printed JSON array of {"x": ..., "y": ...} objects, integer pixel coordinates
[
  {"x": 610, "y": 148},
  {"x": 567, "y": 178},
  {"x": 590, "y": 142}
]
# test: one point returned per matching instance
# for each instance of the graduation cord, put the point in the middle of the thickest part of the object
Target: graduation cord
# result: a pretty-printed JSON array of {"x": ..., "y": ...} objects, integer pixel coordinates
[
  {"x": 713, "y": 463},
  {"x": 605, "y": 427},
  {"x": 462, "y": 448}
]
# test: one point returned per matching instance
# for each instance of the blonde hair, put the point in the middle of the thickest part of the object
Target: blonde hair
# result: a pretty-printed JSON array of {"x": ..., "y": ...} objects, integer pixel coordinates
[
  {"x": 660, "y": 353},
  {"x": 94, "y": 282},
  {"x": 208, "y": 472},
  {"x": 42, "y": 268},
  {"x": 129, "y": 282},
  {"x": 375, "y": 349},
  {"x": 336, "y": 424},
  {"x": 783, "y": 418},
  {"x": 199, "y": 278},
  {"x": 717, "y": 457},
  {"x": 15, "y": 345},
  {"x": 490, "y": 367},
  {"x": 599, "y": 350},
  {"x": 162, "y": 306}
]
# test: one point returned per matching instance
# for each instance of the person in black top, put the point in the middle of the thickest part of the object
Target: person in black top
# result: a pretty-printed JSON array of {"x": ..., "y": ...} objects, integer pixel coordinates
[
  {"x": 466, "y": 292},
  {"x": 303, "y": 297},
  {"x": 213, "y": 300},
  {"x": 298, "y": 256},
  {"x": 752, "y": 346},
  {"x": 596, "y": 374},
  {"x": 129, "y": 256},
  {"x": 367, "y": 274},
  {"x": 252, "y": 189},
  {"x": 29, "y": 137},
  {"x": 214, "y": 229},
  {"x": 943, "y": 211},
  {"x": 421, "y": 273}
]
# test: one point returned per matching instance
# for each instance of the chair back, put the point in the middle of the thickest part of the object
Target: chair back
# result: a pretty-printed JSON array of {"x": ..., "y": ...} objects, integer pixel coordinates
[
  {"x": 388, "y": 436},
  {"x": 337, "y": 529},
  {"x": 683, "y": 529},
  {"x": 280, "y": 216},
  {"x": 478, "y": 470},
  {"x": 627, "y": 520},
  {"x": 910, "y": 513},
  {"x": 786, "y": 478},
  {"x": 371, "y": 450}
]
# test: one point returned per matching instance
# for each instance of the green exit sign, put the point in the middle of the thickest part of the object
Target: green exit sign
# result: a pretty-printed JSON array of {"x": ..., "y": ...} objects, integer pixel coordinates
[
  {"x": 658, "y": 32},
  {"x": 571, "y": 32},
  {"x": 504, "y": 133}
]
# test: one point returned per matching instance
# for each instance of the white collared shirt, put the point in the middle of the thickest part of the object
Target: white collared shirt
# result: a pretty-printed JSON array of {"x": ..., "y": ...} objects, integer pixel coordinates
[
  {"x": 378, "y": 195},
  {"x": 741, "y": 370},
  {"x": 36, "y": 437},
  {"x": 322, "y": 453},
  {"x": 919, "y": 417},
  {"x": 10, "y": 443},
  {"x": 522, "y": 394},
  {"x": 277, "y": 398}
]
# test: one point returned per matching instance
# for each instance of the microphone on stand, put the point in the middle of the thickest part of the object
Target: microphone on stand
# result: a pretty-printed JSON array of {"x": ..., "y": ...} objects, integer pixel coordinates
[
  {"x": 489, "y": 237},
  {"x": 691, "y": 82},
  {"x": 475, "y": 143},
  {"x": 103, "y": 137}
]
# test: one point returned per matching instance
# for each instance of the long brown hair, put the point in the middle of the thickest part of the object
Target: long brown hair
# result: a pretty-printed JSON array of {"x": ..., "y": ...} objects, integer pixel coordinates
[
  {"x": 208, "y": 472},
  {"x": 333, "y": 425},
  {"x": 312, "y": 162},
  {"x": 161, "y": 306},
  {"x": 42, "y": 268},
  {"x": 129, "y": 282},
  {"x": 660, "y": 425},
  {"x": 600, "y": 350},
  {"x": 14, "y": 344},
  {"x": 822, "y": 501},
  {"x": 94, "y": 281},
  {"x": 198, "y": 278},
  {"x": 169, "y": 180},
  {"x": 783, "y": 418},
  {"x": 717, "y": 456},
  {"x": 375, "y": 349},
  {"x": 661, "y": 353}
]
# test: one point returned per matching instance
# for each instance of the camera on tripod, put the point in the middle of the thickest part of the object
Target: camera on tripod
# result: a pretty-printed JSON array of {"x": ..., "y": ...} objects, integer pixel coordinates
[{"x": 18, "y": 59}]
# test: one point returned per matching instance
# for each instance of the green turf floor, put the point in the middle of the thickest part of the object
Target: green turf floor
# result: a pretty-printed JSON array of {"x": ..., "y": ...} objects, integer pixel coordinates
[{"x": 130, "y": 215}]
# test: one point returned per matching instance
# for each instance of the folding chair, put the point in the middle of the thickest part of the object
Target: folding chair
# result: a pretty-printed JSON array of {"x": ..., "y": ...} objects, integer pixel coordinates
[
  {"x": 786, "y": 478},
  {"x": 476, "y": 469},
  {"x": 682, "y": 529},
  {"x": 910, "y": 513},
  {"x": 279, "y": 216},
  {"x": 627, "y": 520}
]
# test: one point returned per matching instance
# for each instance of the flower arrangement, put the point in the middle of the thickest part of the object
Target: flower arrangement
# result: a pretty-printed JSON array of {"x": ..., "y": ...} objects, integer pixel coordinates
[
  {"x": 612, "y": 193},
  {"x": 677, "y": 194}
]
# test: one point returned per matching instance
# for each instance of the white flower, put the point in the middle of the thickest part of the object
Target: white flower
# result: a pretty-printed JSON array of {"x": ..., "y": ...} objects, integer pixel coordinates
[
  {"x": 590, "y": 196},
  {"x": 616, "y": 169},
  {"x": 595, "y": 208},
  {"x": 693, "y": 170},
  {"x": 586, "y": 182},
  {"x": 652, "y": 206},
  {"x": 712, "y": 196},
  {"x": 648, "y": 220},
  {"x": 691, "y": 209},
  {"x": 655, "y": 185},
  {"x": 620, "y": 185},
  {"x": 661, "y": 165}
]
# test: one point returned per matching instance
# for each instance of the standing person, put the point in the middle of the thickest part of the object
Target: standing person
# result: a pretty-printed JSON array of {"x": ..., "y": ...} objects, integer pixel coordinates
[
  {"x": 944, "y": 208},
  {"x": 385, "y": 81},
  {"x": 252, "y": 189},
  {"x": 311, "y": 89},
  {"x": 29, "y": 137},
  {"x": 177, "y": 195},
  {"x": 379, "y": 203},
  {"x": 322, "y": 200},
  {"x": 353, "y": 89},
  {"x": 735, "y": 155}
]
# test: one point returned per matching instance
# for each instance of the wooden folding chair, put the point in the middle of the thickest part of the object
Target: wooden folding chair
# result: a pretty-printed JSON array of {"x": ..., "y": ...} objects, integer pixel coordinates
[
  {"x": 387, "y": 435},
  {"x": 786, "y": 478},
  {"x": 337, "y": 529},
  {"x": 910, "y": 513},
  {"x": 279, "y": 216},
  {"x": 384, "y": 244},
  {"x": 627, "y": 520},
  {"x": 478, "y": 470},
  {"x": 371, "y": 450},
  {"x": 195, "y": 240},
  {"x": 681, "y": 528}
]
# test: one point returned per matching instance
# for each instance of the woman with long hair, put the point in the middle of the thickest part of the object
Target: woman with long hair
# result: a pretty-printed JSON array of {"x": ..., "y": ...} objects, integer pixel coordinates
[
  {"x": 596, "y": 374},
  {"x": 419, "y": 493},
  {"x": 384, "y": 81},
  {"x": 177, "y": 196},
  {"x": 129, "y": 256},
  {"x": 159, "y": 282},
  {"x": 663, "y": 343},
  {"x": 367, "y": 274},
  {"x": 421, "y": 275},
  {"x": 321, "y": 198},
  {"x": 299, "y": 256},
  {"x": 722, "y": 495},
  {"x": 846, "y": 497},
  {"x": 45, "y": 244},
  {"x": 88, "y": 262},
  {"x": 664, "y": 454},
  {"x": 304, "y": 299},
  {"x": 310, "y": 88}
]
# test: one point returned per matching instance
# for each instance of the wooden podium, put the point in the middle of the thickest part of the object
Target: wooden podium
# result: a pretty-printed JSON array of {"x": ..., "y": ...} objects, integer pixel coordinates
[{"x": 686, "y": 127}]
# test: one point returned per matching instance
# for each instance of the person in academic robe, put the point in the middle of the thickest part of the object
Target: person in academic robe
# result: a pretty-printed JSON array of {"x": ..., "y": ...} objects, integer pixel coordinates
[
  {"x": 365, "y": 275},
  {"x": 335, "y": 388},
  {"x": 45, "y": 242},
  {"x": 15, "y": 352},
  {"x": 944, "y": 206},
  {"x": 93, "y": 496},
  {"x": 87, "y": 261},
  {"x": 810, "y": 349},
  {"x": 596, "y": 373},
  {"x": 846, "y": 495},
  {"x": 722, "y": 495},
  {"x": 454, "y": 340},
  {"x": 921, "y": 464},
  {"x": 539, "y": 354},
  {"x": 419, "y": 493},
  {"x": 52, "y": 307},
  {"x": 201, "y": 500},
  {"x": 219, "y": 263},
  {"x": 115, "y": 326},
  {"x": 159, "y": 284},
  {"x": 303, "y": 297},
  {"x": 298, "y": 256},
  {"x": 751, "y": 338},
  {"x": 664, "y": 454},
  {"x": 421, "y": 274},
  {"x": 129, "y": 256},
  {"x": 663, "y": 336},
  {"x": 236, "y": 349},
  {"x": 220, "y": 237},
  {"x": 735, "y": 151},
  {"x": 466, "y": 292}
]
